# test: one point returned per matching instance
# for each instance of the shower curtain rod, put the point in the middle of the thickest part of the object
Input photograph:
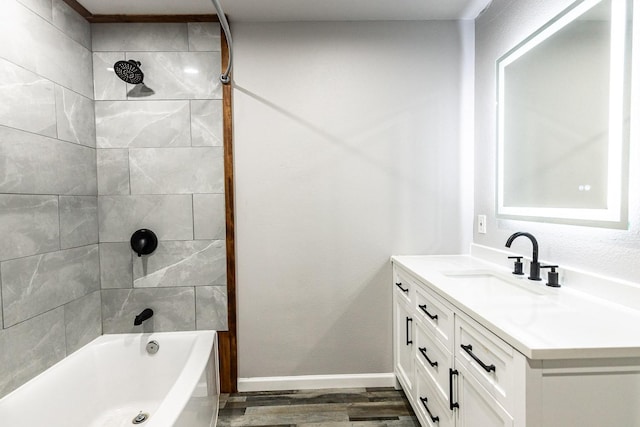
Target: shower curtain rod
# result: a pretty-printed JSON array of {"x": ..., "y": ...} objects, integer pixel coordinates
[{"x": 224, "y": 78}]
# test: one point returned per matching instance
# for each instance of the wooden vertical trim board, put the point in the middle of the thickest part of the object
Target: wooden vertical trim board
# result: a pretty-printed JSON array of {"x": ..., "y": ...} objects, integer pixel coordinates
[
  {"x": 224, "y": 360},
  {"x": 230, "y": 383}
]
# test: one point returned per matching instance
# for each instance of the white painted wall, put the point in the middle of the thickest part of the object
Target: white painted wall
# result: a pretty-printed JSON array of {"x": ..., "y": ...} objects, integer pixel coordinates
[
  {"x": 610, "y": 252},
  {"x": 351, "y": 144}
]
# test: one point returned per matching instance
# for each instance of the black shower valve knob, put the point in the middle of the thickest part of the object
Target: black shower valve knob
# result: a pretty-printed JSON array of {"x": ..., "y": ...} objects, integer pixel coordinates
[{"x": 144, "y": 242}]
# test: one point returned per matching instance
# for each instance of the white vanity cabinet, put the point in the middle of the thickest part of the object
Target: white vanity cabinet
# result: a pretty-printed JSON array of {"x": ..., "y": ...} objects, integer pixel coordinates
[
  {"x": 445, "y": 385},
  {"x": 458, "y": 373}
]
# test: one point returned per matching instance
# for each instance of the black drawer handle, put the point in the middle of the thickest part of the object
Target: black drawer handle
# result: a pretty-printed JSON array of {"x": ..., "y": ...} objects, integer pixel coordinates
[
  {"x": 431, "y": 316},
  {"x": 406, "y": 291},
  {"x": 408, "y": 333},
  {"x": 424, "y": 401},
  {"x": 452, "y": 404},
  {"x": 423, "y": 350},
  {"x": 486, "y": 367}
]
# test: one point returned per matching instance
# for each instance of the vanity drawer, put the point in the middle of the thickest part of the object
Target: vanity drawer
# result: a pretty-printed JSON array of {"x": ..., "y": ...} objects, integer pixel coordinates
[
  {"x": 487, "y": 358},
  {"x": 436, "y": 316},
  {"x": 434, "y": 359},
  {"x": 403, "y": 284},
  {"x": 432, "y": 411}
]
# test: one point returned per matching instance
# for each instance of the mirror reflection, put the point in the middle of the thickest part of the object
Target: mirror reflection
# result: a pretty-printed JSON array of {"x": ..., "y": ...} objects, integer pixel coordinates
[{"x": 562, "y": 114}]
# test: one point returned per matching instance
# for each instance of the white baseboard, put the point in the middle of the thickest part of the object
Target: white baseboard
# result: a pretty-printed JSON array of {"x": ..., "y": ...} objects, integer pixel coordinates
[{"x": 307, "y": 382}]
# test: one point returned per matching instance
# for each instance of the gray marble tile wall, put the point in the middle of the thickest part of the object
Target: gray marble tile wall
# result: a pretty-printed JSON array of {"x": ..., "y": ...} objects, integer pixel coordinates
[
  {"x": 160, "y": 166},
  {"x": 50, "y": 296}
]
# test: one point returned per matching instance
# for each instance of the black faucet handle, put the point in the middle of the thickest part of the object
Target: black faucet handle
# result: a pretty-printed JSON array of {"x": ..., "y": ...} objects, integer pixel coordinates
[
  {"x": 552, "y": 276},
  {"x": 517, "y": 265}
]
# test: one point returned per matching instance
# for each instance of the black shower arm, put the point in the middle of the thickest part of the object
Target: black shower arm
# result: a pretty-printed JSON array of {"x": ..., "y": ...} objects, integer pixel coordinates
[{"x": 224, "y": 78}]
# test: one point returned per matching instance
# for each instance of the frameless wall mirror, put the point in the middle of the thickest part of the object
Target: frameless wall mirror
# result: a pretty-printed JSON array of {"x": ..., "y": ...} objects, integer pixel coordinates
[{"x": 563, "y": 119}]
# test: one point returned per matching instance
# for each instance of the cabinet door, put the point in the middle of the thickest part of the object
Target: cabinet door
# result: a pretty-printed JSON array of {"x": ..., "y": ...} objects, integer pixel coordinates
[
  {"x": 403, "y": 337},
  {"x": 477, "y": 407}
]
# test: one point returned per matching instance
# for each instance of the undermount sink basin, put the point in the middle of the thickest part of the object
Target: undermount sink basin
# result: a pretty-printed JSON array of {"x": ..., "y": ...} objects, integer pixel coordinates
[{"x": 495, "y": 285}]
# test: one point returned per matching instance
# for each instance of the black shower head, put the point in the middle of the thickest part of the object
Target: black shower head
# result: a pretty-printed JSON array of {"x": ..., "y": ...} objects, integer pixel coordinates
[{"x": 129, "y": 71}]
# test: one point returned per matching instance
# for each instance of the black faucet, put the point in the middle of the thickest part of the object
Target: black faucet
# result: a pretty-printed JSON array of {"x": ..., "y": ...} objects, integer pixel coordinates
[
  {"x": 146, "y": 314},
  {"x": 534, "y": 272}
]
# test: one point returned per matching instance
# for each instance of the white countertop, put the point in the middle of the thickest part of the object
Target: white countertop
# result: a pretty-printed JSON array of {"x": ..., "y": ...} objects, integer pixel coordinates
[{"x": 539, "y": 321}]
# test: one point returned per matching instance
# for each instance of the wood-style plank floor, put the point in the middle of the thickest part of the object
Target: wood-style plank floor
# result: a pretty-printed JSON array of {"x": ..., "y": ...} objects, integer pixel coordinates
[{"x": 370, "y": 407}]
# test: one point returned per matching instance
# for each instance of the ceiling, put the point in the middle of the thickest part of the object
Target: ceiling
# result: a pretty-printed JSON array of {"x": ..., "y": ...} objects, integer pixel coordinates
[{"x": 298, "y": 10}]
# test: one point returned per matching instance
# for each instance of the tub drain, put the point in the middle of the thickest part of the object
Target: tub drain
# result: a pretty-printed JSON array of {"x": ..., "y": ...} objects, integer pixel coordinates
[{"x": 140, "y": 418}]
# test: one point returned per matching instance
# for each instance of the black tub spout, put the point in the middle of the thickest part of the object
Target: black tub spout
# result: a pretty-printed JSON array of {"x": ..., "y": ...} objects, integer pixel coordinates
[{"x": 146, "y": 314}]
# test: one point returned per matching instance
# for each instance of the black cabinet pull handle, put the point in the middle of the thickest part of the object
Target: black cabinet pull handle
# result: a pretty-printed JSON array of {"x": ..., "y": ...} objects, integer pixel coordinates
[
  {"x": 452, "y": 404},
  {"x": 486, "y": 367},
  {"x": 423, "y": 350},
  {"x": 431, "y": 316},
  {"x": 424, "y": 401},
  {"x": 406, "y": 291},
  {"x": 408, "y": 335}
]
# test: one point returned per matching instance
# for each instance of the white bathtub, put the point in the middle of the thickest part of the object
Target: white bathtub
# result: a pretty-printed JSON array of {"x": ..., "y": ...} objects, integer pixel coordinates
[{"x": 111, "y": 380}]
